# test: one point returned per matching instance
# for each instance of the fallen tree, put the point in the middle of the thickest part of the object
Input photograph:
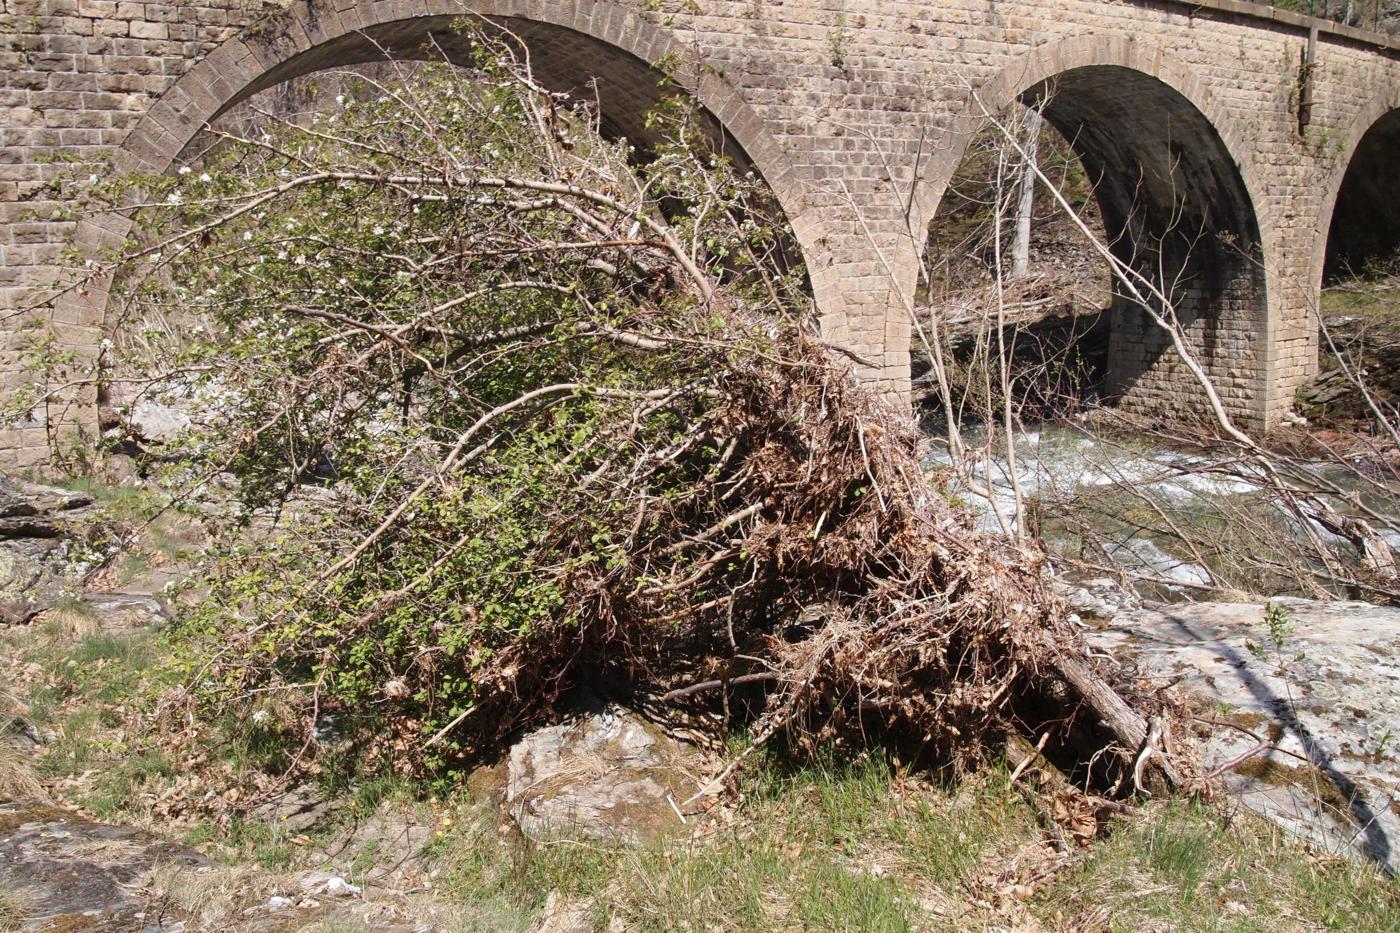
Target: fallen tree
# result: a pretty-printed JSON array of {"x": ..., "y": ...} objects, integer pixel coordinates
[{"x": 512, "y": 413}]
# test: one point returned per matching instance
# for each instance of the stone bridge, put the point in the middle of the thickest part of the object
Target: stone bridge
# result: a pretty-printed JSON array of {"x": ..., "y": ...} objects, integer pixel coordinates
[{"x": 1239, "y": 150}]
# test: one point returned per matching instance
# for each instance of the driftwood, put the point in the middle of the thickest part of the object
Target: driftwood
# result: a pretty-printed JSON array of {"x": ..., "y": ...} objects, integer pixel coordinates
[{"x": 1116, "y": 715}]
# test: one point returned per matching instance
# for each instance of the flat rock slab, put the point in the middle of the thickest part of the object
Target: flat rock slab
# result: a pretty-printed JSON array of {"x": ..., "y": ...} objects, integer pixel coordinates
[
  {"x": 606, "y": 775},
  {"x": 19, "y": 498},
  {"x": 1324, "y": 689},
  {"x": 73, "y": 875},
  {"x": 77, "y": 875}
]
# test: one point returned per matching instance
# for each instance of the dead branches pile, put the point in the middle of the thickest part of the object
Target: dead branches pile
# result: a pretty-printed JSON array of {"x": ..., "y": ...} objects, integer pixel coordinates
[{"x": 548, "y": 419}]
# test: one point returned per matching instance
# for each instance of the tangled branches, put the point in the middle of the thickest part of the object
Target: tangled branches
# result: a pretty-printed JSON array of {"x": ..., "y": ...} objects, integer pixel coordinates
[{"x": 511, "y": 414}]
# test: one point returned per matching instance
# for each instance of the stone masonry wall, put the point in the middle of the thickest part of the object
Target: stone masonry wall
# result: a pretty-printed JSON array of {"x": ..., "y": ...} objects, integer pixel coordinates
[{"x": 856, "y": 111}]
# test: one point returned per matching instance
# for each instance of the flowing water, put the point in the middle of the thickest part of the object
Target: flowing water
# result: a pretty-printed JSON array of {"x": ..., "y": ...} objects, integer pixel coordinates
[{"x": 1061, "y": 468}]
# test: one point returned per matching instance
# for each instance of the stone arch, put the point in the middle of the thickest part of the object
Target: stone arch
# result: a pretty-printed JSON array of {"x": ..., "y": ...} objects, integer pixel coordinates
[
  {"x": 1177, "y": 191},
  {"x": 1354, "y": 224},
  {"x": 570, "y": 45}
]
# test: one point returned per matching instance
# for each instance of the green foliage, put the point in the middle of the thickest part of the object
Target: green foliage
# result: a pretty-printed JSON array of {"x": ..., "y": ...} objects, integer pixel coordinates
[{"x": 404, "y": 329}]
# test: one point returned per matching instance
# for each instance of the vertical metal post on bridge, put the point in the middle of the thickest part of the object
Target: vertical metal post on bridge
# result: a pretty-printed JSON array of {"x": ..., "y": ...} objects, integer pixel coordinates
[{"x": 1305, "y": 82}]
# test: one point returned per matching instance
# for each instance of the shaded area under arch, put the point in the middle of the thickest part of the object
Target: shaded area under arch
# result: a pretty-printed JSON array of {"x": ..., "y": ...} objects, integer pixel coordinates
[
  {"x": 1365, "y": 225},
  {"x": 1176, "y": 209},
  {"x": 624, "y": 88}
]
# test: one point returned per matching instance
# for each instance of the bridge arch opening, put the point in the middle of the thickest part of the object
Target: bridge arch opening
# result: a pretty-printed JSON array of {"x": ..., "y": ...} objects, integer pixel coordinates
[
  {"x": 623, "y": 87},
  {"x": 1364, "y": 233},
  {"x": 1171, "y": 206},
  {"x": 612, "y": 74},
  {"x": 602, "y": 55}
]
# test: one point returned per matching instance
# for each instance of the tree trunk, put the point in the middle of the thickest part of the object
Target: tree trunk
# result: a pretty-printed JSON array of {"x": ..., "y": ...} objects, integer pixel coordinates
[{"x": 1021, "y": 246}]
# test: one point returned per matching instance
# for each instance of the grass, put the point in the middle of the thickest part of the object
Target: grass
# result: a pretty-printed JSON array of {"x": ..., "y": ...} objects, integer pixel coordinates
[
  {"x": 860, "y": 847},
  {"x": 842, "y": 845},
  {"x": 1183, "y": 866},
  {"x": 14, "y": 908},
  {"x": 80, "y": 685},
  {"x": 18, "y": 780}
]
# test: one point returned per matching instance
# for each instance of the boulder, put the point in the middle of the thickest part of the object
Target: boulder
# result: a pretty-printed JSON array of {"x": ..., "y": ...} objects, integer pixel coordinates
[
  {"x": 1098, "y": 598},
  {"x": 13, "y": 504},
  {"x": 31, "y": 510},
  {"x": 31, "y": 578},
  {"x": 605, "y": 774},
  {"x": 297, "y": 810},
  {"x": 153, "y": 421}
]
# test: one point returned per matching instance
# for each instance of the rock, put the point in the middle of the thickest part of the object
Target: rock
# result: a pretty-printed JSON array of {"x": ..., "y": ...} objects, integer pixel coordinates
[
  {"x": 337, "y": 886},
  {"x": 387, "y": 848},
  {"x": 34, "y": 558},
  {"x": 121, "y": 470},
  {"x": 75, "y": 874},
  {"x": 29, "y": 526},
  {"x": 19, "y": 497},
  {"x": 277, "y": 902},
  {"x": 31, "y": 578},
  {"x": 1099, "y": 598},
  {"x": 328, "y": 885},
  {"x": 153, "y": 421},
  {"x": 563, "y": 914},
  {"x": 52, "y": 500},
  {"x": 126, "y": 612},
  {"x": 607, "y": 774},
  {"x": 1323, "y": 687},
  {"x": 296, "y": 811},
  {"x": 13, "y": 504}
]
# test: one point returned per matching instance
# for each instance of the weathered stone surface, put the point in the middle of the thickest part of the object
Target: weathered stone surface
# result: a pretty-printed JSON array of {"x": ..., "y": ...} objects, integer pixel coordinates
[
  {"x": 1326, "y": 693},
  {"x": 77, "y": 875},
  {"x": 606, "y": 774},
  {"x": 31, "y": 578},
  {"x": 297, "y": 810},
  {"x": 1100, "y": 598},
  {"x": 125, "y": 612},
  {"x": 563, "y": 914},
  {"x": 29, "y": 510},
  {"x": 153, "y": 421},
  {"x": 12, "y": 503},
  {"x": 48, "y": 500}
]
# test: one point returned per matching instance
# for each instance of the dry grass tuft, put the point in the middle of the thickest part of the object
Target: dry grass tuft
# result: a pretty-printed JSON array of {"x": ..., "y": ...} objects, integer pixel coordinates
[
  {"x": 14, "y": 908},
  {"x": 211, "y": 894},
  {"x": 71, "y": 618},
  {"x": 18, "y": 780}
]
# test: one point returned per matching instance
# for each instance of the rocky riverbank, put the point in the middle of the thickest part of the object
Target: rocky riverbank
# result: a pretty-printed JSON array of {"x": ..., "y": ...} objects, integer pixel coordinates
[{"x": 1294, "y": 706}]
